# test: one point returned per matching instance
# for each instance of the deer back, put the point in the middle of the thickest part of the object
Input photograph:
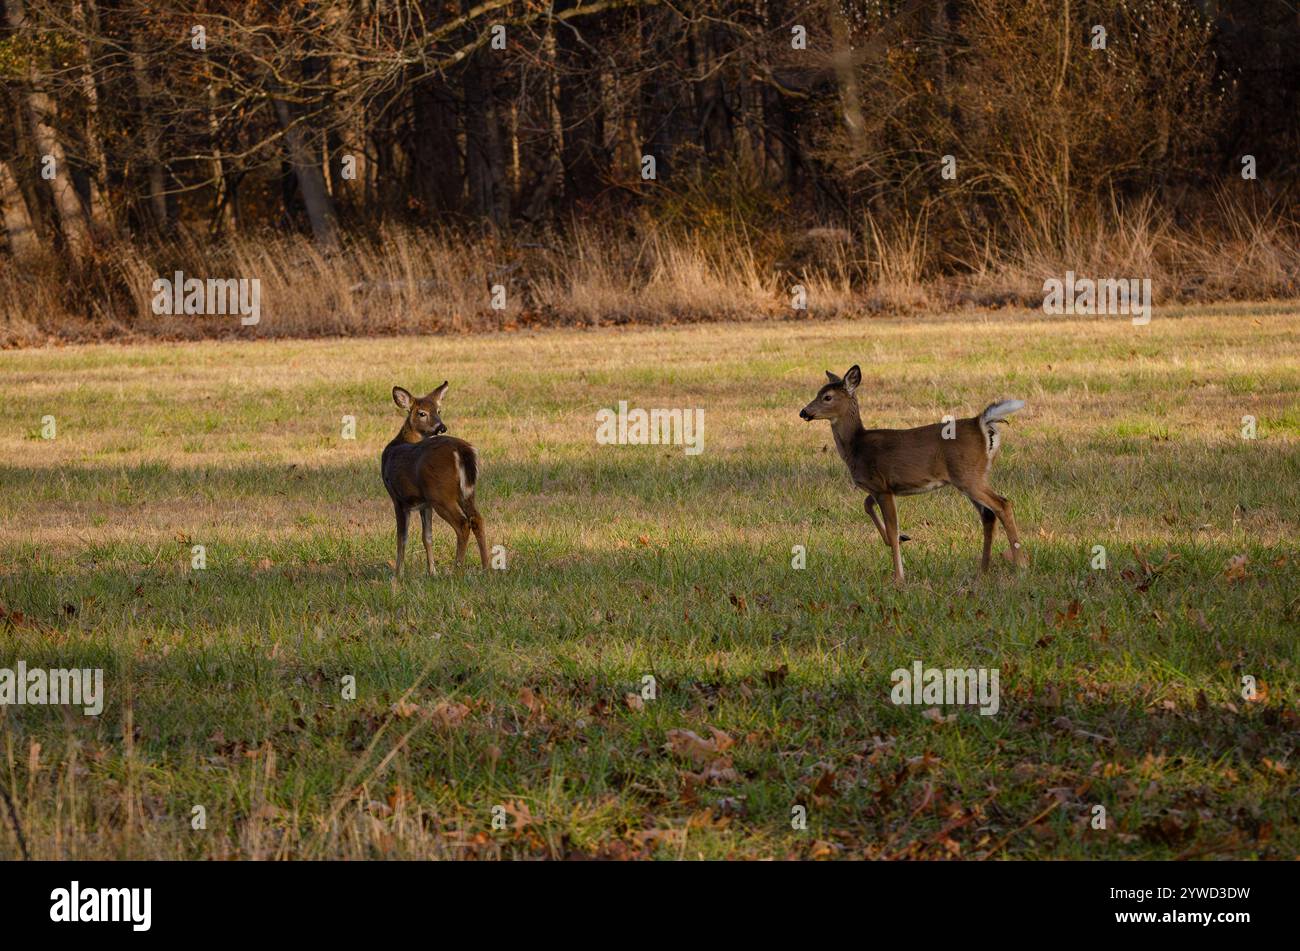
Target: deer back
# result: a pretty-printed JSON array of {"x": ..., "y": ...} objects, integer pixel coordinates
[{"x": 436, "y": 469}]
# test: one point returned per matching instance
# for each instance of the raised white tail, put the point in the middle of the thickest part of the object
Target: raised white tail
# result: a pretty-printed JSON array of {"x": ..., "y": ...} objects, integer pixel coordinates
[{"x": 996, "y": 412}]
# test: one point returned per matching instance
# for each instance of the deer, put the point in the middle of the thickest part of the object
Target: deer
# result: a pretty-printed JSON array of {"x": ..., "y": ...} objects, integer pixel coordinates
[
  {"x": 425, "y": 469},
  {"x": 886, "y": 463}
]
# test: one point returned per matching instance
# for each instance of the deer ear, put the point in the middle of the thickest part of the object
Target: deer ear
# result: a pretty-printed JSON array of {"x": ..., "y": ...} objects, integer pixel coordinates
[
  {"x": 401, "y": 398},
  {"x": 832, "y": 377},
  {"x": 852, "y": 378},
  {"x": 438, "y": 393}
]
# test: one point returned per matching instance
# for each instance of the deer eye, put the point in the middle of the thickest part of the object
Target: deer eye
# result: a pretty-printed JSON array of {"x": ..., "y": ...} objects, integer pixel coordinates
[
  {"x": 422, "y": 414},
  {"x": 826, "y": 398}
]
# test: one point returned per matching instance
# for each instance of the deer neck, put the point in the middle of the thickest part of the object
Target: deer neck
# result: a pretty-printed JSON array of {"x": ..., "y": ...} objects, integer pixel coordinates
[
  {"x": 846, "y": 429},
  {"x": 406, "y": 434}
]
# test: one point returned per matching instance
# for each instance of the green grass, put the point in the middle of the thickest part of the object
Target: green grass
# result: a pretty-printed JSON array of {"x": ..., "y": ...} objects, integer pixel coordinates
[{"x": 1119, "y": 687}]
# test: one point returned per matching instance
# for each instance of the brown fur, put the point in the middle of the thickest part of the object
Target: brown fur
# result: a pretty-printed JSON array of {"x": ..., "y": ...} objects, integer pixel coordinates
[
  {"x": 886, "y": 463},
  {"x": 423, "y": 469}
]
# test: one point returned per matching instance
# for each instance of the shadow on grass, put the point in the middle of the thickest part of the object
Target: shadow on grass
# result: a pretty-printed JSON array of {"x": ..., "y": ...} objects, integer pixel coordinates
[
  {"x": 1181, "y": 778},
  {"x": 664, "y": 474}
]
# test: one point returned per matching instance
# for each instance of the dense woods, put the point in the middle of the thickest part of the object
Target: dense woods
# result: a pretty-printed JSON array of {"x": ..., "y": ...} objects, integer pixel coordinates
[{"x": 898, "y": 153}]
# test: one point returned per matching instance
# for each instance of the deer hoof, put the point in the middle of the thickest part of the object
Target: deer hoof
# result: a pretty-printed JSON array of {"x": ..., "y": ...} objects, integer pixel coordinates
[{"x": 904, "y": 538}]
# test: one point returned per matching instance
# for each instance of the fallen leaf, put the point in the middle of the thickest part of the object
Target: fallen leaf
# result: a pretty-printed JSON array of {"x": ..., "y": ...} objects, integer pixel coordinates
[
  {"x": 719, "y": 771},
  {"x": 531, "y": 701},
  {"x": 824, "y": 788},
  {"x": 448, "y": 714},
  {"x": 691, "y": 746},
  {"x": 649, "y": 837},
  {"x": 1070, "y": 615},
  {"x": 520, "y": 812},
  {"x": 775, "y": 678},
  {"x": 404, "y": 710},
  {"x": 822, "y": 849}
]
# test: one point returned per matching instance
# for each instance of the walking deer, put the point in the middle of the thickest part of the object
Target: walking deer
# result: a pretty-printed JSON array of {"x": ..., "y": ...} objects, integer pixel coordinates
[
  {"x": 890, "y": 462},
  {"x": 427, "y": 470}
]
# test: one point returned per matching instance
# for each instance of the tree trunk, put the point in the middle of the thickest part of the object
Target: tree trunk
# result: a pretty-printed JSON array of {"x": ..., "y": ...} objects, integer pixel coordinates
[
  {"x": 101, "y": 204},
  {"x": 22, "y": 237},
  {"x": 38, "y": 115},
  {"x": 712, "y": 114},
  {"x": 436, "y": 175},
  {"x": 152, "y": 137},
  {"x": 580, "y": 111},
  {"x": 305, "y": 160},
  {"x": 484, "y": 158}
]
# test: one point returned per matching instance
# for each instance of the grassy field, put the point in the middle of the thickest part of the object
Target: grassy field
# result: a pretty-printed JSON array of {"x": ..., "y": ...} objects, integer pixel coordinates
[{"x": 516, "y": 694}]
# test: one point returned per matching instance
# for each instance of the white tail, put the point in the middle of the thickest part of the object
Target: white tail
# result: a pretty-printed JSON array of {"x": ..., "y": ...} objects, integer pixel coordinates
[
  {"x": 467, "y": 475},
  {"x": 996, "y": 412}
]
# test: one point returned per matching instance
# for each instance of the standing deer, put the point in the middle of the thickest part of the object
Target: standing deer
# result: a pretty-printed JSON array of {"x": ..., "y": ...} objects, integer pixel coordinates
[
  {"x": 889, "y": 462},
  {"x": 426, "y": 470}
]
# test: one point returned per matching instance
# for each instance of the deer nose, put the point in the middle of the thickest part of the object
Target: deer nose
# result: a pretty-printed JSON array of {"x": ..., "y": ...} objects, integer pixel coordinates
[
  {"x": 439, "y": 429},
  {"x": 803, "y": 414}
]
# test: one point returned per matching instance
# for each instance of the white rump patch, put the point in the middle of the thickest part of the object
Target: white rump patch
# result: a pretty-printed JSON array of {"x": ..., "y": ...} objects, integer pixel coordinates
[
  {"x": 992, "y": 438},
  {"x": 466, "y": 489}
]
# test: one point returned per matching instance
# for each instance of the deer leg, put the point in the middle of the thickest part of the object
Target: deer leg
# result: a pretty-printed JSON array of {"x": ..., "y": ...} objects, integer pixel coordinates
[
  {"x": 870, "y": 505},
  {"x": 460, "y": 524},
  {"x": 401, "y": 513},
  {"x": 476, "y": 525},
  {"x": 886, "y": 502},
  {"x": 426, "y": 530},
  {"x": 988, "y": 519},
  {"x": 1013, "y": 534},
  {"x": 1002, "y": 509}
]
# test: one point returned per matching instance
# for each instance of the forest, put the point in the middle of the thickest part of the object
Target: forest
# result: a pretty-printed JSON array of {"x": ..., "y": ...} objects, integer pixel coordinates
[{"x": 380, "y": 165}]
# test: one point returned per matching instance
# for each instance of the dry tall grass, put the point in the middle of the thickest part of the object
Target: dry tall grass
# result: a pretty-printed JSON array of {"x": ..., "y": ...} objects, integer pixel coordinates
[
  {"x": 1235, "y": 252},
  {"x": 440, "y": 281}
]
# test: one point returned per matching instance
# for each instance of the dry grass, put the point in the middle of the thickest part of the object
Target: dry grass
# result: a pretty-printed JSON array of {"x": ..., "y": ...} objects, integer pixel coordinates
[
  {"x": 1238, "y": 252},
  {"x": 405, "y": 281}
]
